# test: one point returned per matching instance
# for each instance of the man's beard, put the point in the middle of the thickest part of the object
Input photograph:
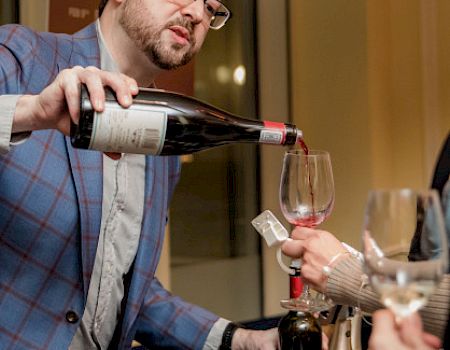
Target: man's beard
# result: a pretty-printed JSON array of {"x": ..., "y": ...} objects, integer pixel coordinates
[{"x": 148, "y": 37}]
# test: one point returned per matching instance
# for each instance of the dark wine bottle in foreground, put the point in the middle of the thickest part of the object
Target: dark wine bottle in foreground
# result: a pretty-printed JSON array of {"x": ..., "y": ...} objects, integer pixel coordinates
[
  {"x": 166, "y": 123},
  {"x": 299, "y": 330}
]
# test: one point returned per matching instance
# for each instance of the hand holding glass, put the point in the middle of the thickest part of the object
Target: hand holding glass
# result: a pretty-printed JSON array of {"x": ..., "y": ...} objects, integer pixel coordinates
[{"x": 405, "y": 247}]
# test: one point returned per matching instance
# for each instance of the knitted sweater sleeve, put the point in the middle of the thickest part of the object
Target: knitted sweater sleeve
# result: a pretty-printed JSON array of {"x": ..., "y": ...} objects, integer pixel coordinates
[{"x": 345, "y": 287}]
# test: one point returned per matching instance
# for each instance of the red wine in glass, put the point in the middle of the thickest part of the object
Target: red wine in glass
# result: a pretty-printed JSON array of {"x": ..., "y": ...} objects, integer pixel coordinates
[{"x": 307, "y": 187}]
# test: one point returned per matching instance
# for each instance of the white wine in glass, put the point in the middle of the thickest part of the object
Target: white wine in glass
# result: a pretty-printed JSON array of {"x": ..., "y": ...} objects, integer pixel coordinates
[{"x": 405, "y": 247}]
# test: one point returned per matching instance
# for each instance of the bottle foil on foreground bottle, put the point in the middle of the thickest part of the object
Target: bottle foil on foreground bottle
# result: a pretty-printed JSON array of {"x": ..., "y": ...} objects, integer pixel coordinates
[{"x": 161, "y": 122}]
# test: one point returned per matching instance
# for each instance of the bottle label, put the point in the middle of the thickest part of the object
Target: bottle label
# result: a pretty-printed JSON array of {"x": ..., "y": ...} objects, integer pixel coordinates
[
  {"x": 274, "y": 133},
  {"x": 136, "y": 129}
]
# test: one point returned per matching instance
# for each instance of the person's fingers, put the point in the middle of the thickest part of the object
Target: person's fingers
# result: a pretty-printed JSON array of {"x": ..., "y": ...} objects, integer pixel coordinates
[
  {"x": 69, "y": 84},
  {"x": 314, "y": 278},
  {"x": 386, "y": 333},
  {"x": 383, "y": 319},
  {"x": 300, "y": 233},
  {"x": 64, "y": 126},
  {"x": 95, "y": 80},
  {"x": 92, "y": 78},
  {"x": 411, "y": 332},
  {"x": 132, "y": 84},
  {"x": 293, "y": 248},
  {"x": 383, "y": 331},
  {"x": 432, "y": 341},
  {"x": 325, "y": 341},
  {"x": 121, "y": 85},
  {"x": 59, "y": 103}
]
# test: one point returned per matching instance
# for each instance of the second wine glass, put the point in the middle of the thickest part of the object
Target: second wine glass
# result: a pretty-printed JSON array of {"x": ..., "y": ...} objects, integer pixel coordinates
[
  {"x": 307, "y": 199},
  {"x": 405, "y": 247}
]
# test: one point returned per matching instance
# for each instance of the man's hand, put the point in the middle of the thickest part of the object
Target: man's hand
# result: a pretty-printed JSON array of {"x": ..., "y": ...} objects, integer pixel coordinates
[
  {"x": 405, "y": 335},
  {"x": 59, "y": 103},
  {"x": 245, "y": 339}
]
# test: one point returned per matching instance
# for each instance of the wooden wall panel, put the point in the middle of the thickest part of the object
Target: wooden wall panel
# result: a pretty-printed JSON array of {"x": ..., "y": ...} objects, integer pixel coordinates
[{"x": 68, "y": 16}]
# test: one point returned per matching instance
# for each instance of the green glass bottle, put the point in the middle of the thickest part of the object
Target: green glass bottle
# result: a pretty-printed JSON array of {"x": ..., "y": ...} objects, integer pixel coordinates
[{"x": 299, "y": 330}]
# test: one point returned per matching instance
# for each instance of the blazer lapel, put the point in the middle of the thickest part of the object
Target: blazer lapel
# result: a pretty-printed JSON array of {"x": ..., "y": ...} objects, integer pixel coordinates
[
  {"x": 87, "y": 166},
  {"x": 88, "y": 178}
]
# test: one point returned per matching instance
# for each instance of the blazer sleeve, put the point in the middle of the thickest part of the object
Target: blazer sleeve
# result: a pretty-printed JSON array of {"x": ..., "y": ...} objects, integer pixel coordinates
[
  {"x": 30, "y": 61},
  {"x": 168, "y": 322},
  {"x": 17, "y": 55}
]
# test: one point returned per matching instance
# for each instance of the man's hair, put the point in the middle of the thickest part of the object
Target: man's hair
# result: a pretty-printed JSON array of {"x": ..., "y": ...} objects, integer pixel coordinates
[{"x": 101, "y": 6}]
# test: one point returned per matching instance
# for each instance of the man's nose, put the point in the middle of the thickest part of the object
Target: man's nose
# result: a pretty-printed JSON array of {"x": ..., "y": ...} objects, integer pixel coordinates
[{"x": 195, "y": 10}]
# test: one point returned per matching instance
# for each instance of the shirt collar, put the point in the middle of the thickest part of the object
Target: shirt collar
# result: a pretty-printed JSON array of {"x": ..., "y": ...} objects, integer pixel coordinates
[{"x": 106, "y": 60}]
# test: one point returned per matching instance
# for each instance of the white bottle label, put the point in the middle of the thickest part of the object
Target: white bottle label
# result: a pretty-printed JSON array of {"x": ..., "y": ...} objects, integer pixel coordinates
[
  {"x": 271, "y": 136},
  {"x": 274, "y": 133},
  {"x": 133, "y": 130}
]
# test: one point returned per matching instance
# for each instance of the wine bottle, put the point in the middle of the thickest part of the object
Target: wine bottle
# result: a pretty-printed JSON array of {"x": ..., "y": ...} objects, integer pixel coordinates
[
  {"x": 299, "y": 330},
  {"x": 161, "y": 122}
]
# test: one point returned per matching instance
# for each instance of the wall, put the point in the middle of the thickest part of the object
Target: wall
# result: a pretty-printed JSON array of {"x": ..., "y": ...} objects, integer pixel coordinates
[
  {"x": 34, "y": 13},
  {"x": 273, "y": 78},
  {"x": 329, "y": 86}
]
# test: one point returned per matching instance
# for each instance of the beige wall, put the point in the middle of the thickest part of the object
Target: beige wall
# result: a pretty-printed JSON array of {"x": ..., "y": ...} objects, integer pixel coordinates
[
  {"x": 369, "y": 82},
  {"x": 34, "y": 13},
  {"x": 274, "y": 105}
]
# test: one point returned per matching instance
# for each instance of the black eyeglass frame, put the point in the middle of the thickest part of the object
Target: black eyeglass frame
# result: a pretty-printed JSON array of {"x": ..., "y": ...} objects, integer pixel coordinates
[{"x": 227, "y": 14}]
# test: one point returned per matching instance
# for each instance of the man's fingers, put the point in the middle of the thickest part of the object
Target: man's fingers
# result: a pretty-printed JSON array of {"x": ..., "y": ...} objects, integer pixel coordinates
[
  {"x": 92, "y": 78},
  {"x": 69, "y": 84},
  {"x": 95, "y": 80},
  {"x": 123, "y": 87}
]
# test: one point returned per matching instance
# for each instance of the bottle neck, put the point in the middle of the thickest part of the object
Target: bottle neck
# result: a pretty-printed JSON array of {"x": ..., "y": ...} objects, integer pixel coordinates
[
  {"x": 280, "y": 133},
  {"x": 295, "y": 285}
]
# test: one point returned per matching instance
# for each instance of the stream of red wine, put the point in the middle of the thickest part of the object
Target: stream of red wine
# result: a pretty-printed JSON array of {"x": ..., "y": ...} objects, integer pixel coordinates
[{"x": 303, "y": 145}]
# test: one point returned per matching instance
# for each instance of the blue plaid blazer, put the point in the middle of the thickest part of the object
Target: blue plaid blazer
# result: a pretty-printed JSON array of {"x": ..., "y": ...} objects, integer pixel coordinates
[{"x": 50, "y": 211}]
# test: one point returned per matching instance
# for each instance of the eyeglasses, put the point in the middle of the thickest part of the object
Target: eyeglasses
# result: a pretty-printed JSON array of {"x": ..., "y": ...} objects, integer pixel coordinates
[{"x": 215, "y": 12}]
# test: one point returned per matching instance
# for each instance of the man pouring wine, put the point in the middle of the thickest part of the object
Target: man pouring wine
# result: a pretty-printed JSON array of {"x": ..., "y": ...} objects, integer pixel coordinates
[{"x": 81, "y": 232}]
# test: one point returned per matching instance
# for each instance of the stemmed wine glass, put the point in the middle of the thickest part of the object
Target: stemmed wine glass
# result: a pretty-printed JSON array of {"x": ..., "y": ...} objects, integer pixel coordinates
[
  {"x": 405, "y": 247},
  {"x": 307, "y": 199}
]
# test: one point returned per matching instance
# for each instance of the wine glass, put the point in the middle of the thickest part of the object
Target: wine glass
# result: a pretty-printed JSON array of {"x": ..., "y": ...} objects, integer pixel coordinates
[
  {"x": 405, "y": 247},
  {"x": 307, "y": 199}
]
